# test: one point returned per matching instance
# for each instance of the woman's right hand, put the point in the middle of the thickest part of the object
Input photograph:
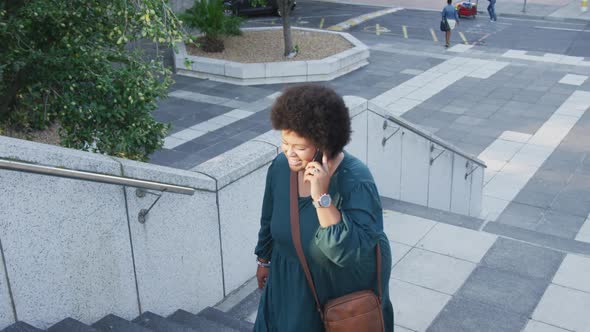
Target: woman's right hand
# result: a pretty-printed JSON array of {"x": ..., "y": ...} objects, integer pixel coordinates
[{"x": 262, "y": 276}]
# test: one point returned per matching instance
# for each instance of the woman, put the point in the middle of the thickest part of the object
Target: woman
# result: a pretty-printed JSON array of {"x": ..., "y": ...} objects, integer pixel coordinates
[
  {"x": 338, "y": 236},
  {"x": 450, "y": 14}
]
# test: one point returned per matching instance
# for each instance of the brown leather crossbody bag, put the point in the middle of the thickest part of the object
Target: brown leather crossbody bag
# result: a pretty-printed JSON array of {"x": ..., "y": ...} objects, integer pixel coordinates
[{"x": 358, "y": 311}]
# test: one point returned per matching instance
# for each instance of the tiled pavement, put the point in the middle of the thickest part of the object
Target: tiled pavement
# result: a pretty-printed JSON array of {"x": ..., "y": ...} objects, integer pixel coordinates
[
  {"x": 198, "y": 109},
  {"x": 525, "y": 266},
  {"x": 456, "y": 278}
]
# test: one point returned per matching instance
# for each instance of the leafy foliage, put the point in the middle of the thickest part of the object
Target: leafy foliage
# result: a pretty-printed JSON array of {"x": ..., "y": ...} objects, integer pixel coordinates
[
  {"x": 73, "y": 62},
  {"x": 208, "y": 16}
]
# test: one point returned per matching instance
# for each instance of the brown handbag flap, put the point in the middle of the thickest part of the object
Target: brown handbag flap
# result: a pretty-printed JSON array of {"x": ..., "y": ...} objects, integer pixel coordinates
[
  {"x": 351, "y": 305},
  {"x": 369, "y": 322}
]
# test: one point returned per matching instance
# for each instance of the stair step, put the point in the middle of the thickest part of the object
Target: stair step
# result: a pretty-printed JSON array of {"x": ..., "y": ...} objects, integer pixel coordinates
[
  {"x": 219, "y": 316},
  {"x": 21, "y": 327},
  {"x": 199, "y": 323},
  {"x": 112, "y": 323},
  {"x": 71, "y": 325},
  {"x": 160, "y": 324}
]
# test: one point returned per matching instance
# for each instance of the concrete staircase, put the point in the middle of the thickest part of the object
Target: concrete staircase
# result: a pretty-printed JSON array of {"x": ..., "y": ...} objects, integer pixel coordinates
[{"x": 208, "y": 320}]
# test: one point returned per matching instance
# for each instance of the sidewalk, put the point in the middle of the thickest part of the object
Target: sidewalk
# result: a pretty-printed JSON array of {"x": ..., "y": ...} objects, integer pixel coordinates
[{"x": 544, "y": 9}]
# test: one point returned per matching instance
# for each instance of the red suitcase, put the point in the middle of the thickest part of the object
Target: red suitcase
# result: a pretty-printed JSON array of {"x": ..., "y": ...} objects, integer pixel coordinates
[{"x": 467, "y": 9}]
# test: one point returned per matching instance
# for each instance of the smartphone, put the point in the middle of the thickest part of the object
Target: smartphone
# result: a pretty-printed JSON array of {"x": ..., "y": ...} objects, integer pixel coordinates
[{"x": 319, "y": 156}]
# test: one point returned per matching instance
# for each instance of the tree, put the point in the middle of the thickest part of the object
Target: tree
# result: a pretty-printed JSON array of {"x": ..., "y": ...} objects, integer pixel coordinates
[
  {"x": 77, "y": 62},
  {"x": 209, "y": 18},
  {"x": 285, "y": 7},
  {"x": 284, "y": 10}
]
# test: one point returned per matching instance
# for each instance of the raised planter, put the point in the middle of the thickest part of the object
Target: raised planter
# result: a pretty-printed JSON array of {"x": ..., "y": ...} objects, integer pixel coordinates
[{"x": 274, "y": 72}]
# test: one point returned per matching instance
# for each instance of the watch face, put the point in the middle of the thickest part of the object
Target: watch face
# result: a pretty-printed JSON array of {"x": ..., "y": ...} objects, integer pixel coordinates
[{"x": 325, "y": 200}]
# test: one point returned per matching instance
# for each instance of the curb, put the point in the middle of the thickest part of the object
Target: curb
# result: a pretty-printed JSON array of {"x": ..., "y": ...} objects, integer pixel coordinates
[{"x": 538, "y": 17}]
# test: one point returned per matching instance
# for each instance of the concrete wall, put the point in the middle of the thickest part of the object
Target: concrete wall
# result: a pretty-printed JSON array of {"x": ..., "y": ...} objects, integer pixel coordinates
[
  {"x": 411, "y": 167},
  {"x": 73, "y": 248},
  {"x": 241, "y": 176}
]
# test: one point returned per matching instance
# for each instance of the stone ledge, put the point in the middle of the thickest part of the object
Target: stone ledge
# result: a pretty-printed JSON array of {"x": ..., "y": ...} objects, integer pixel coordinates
[
  {"x": 238, "y": 162},
  {"x": 57, "y": 156},
  {"x": 275, "y": 72}
]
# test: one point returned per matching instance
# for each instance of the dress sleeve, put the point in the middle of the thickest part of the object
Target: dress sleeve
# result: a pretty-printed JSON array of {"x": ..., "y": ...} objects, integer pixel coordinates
[
  {"x": 348, "y": 241},
  {"x": 264, "y": 247}
]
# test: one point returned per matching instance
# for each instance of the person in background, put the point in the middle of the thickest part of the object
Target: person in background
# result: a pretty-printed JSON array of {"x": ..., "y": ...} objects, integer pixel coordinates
[
  {"x": 450, "y": 14},
  {"x": 492, "y": 10}
]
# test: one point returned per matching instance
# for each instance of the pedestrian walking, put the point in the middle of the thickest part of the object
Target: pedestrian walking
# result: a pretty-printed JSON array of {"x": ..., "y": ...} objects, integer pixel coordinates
[
  {"x": 492, "y": 10},
  {"x": 321, "y": 231},
  {"x": 451, "y": 17}
]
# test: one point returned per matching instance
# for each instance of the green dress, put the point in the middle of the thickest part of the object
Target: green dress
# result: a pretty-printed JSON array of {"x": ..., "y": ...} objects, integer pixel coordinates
[{"x": 341, "y": 257}]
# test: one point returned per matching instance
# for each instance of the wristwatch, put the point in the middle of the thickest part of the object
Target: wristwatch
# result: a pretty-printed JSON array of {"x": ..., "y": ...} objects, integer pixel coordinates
[{"x": 324, "y": 201}]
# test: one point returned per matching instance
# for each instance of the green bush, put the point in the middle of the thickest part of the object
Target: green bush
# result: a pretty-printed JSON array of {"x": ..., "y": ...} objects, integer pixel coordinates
[
  {"x": 70, "y": 62},
  {"x": 208, "y": 17}
]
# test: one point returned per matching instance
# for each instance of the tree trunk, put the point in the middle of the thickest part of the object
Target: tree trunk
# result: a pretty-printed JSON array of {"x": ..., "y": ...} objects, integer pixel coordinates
[
  {"x": 8, "y": 98},
  {"x": 286, "y": 11},
  {"x": 13, "y": 82}
]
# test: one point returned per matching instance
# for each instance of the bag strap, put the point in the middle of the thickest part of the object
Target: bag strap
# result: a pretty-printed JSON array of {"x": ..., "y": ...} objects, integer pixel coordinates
[{"x": 296, "y": 234}]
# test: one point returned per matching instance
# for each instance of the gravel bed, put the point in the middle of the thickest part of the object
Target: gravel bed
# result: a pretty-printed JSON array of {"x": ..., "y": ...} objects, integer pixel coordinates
[
  {"x": 49, "y": 135},
  {"x": 268, "y": 46}
]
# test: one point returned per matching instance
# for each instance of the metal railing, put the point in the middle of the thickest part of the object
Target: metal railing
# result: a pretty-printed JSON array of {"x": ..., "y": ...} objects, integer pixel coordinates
[
  {"x": 94, "y": 177},
  {"x": 400, "y": 122}
]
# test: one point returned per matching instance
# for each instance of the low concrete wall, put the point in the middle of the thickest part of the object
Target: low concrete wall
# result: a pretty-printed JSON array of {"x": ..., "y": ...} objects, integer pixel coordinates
[
  {"x": 241, "y": 177},
  {"x": 275, "y": 72},
  {"x": 73, "y": 248},
  {"x": 409, "y": 164}
]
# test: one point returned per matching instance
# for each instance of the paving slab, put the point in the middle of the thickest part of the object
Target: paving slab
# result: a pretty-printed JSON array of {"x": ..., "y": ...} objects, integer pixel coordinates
[
  {"x": 500, "y": 289},
  {"x": 405, "y": 229},
  {"x": 574, "y": 273},
  {"x": 415, "y": 307},
  {"x": 535, "y": 326},
  {"x": 523, "y": 259},
  {"x": 466, "y": 315},
  {"x": 398, "y": 251},
  {"x": 560, "y": 224},
  {"x": 565, "y": 308},
  {"x": 434, "y": 271},
  {"x": 472, "y": 247}
]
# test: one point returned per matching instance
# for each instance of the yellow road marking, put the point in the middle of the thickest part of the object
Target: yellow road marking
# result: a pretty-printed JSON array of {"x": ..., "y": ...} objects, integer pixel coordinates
[
  {"x": 322, "y": 23},
  {"x": 434, "y": 35},
  {"x": 377, "y": 31},
  {"x": 335, "y": 28},
  {"x": 360, "y": 19},
  {"x": 405, "y": 28},
  {"x": 463, "y": 37}
]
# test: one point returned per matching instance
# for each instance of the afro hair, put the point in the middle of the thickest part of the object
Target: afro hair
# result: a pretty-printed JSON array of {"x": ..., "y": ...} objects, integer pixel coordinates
[{"x": 315, "y": 112}]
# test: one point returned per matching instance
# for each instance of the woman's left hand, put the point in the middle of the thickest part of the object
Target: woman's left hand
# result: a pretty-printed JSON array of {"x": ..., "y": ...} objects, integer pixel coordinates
[{"x": 318, "y": 175}]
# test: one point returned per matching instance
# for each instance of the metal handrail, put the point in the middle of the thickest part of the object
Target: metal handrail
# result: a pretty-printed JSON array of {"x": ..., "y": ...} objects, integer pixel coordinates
[
  {"x": 432, "y": 138},
  {"x": 94, "y": 177}
]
